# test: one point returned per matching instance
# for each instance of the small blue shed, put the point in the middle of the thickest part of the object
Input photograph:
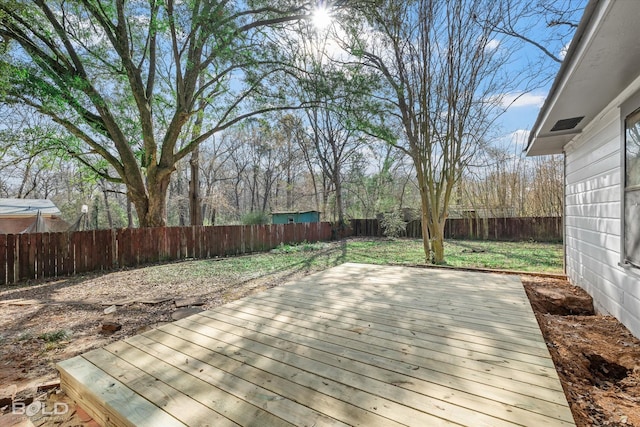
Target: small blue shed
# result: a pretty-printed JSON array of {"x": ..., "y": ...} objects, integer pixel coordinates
[{"x": 295, "y": 217}]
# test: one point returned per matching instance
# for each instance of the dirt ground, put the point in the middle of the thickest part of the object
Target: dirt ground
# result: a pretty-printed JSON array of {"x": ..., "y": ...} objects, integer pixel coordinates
[{"x": 597, "y": 359}]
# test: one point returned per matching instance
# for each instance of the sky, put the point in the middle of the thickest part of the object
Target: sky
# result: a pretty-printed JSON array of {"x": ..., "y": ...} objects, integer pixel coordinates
[
  {"x": 513, "y": 127},
  {"x": 520, "y": 117}
]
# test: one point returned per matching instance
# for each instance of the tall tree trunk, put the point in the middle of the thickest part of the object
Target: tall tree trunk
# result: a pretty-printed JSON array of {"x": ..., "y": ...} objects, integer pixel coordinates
[
  {"x": 436, "y": 231},
  {"x": 425, "y": 223},
  {"x": 340, "y": 211},
  {"x": 129, "y": 212},
  {"x": 289, "y": 189},
  {"x": 195, "y": 202},
  {"x": 107, "y": 209},
  {"x": 195, "y": 210},
  {"x": 151, "y": 207}
]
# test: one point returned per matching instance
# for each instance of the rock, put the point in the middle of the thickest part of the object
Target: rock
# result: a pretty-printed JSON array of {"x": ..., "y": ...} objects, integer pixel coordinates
[
  {"x": 111, "y": 309},
  {"x": 110, "y": 327},
  {"x": 122, "y": 302},
  {"x": 181, "y": 313},
  {"x": 186, "y": 302},
  {"x": 7, "y": 395},
  {"x": 48, "y": 386},
  {"x": 153, "y": 301}
]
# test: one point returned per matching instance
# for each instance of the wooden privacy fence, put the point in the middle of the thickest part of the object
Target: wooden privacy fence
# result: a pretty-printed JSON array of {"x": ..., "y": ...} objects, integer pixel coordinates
[
  {"x": 541, "y": 229},
  {"x": 43, "y": 255}
]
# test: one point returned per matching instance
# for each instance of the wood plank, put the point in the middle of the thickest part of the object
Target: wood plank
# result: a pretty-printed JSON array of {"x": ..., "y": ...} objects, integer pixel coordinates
[
  {"x": 520, "y": 361},
  {"x": 40, "y": 254},
  {"x": 413, "y": 317},
  {"x": 507, "y": 288},
  {"x": 69, "y": 262},
  {"x": 349, "y": 371},
  {"x": 509, "y": 298},
  {"x": 3, "y": 259},
  {"x": 33, "y": 260},
  {"x": 100, "y": 250},
  {"x": 12, "y": 256},
  {"x": 177, "y": 405},
  {"x": 209, "y": 367},
  {"x": 208, "y": 402},
  {"x": 501, "y": 389},
  {"x": 48, "y": 255},
  {"x": 353, "y": 406},
  {"x": 410, "y": 335},
  {"x": 526, "y": 327},
  {"x": 24, "y": 269},
  {"x": 288, "y": 381},
  {"x": 358, "y": 345},
  {"x": 366, "y": 334},
  {"x": 106, "y": 399},
  {"x": 398, "y": 326}
]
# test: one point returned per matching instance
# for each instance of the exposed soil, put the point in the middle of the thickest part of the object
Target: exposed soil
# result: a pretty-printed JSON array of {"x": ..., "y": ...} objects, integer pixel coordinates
[{"x": 597, "y": 359}]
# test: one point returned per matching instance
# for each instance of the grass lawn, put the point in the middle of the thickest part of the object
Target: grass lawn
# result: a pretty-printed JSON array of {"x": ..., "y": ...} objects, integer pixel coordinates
[
  {"x": 521, "y": 256},
  {"x": 286, "y": 259}
]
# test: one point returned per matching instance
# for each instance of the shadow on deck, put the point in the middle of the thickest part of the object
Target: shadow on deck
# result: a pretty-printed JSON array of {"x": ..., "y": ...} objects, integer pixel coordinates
[{"x": 353, "y": 345}]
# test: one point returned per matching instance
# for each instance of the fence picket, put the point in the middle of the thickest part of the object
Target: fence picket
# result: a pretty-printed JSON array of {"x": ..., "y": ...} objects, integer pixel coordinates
[
  {"x": 42, "y": 255},
  {"x": 24, "y": 269},
  {"x": 3, "y": 259},
  {"x": 544, "y": 229}
]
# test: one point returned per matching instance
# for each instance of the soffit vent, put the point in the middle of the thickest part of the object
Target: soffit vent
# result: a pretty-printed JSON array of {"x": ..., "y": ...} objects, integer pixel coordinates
[{"x": 566, "y": 124}]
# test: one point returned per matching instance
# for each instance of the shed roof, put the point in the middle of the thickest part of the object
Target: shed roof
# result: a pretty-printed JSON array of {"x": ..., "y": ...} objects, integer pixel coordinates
[
  {"x": 27, "y": 207},
  {"x": 602, "y": 60},
  {"x": 292, "y": 212}
]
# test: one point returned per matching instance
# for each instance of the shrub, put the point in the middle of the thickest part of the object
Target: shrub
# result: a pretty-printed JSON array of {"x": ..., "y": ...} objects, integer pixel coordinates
[
  {"x": 393, "y": 224},
  {"x": 255, "y": 218}
]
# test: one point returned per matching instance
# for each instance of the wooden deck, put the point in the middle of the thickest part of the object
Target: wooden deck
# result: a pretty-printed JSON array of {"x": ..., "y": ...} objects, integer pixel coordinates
[{"x": 354, "y": 345}]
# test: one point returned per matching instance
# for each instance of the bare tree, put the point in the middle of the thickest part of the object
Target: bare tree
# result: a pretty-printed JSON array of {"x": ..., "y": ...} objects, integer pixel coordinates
[
  {"x": 441, "y": 67},
  {"x": 562, "y": 16}
]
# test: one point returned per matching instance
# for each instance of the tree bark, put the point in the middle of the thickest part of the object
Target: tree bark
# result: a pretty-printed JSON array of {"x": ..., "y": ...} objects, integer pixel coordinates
[
  {"x": 151, "y": 206},
  {"x": 195, "y": 211},
  {"x": 107, "y": 208},
  {"x": 425, "y": 225}
]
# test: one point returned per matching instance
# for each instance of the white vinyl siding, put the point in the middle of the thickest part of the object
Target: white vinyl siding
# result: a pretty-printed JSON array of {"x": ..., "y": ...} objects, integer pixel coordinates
[{"x": 593, "y": 219}]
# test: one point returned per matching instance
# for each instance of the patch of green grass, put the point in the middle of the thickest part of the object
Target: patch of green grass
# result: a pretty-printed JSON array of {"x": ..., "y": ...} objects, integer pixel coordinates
[
  {"x": 302, "y": 247},
  {"x": 520, "y": 256},
  {"x": 305, "y": 256},
  {"x": 26, "y": 335},
  {"x": 54, "y": 337}
]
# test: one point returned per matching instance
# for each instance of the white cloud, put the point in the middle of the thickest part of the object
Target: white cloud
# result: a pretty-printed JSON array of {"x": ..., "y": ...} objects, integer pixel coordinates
[
  {"x": 517, "y": 139},
  {"x": 563, "y": 51},
  {"x": 512, "y": 100},
  {"x": 492, "y": 45},
  {"x": 520, "y": 136}
]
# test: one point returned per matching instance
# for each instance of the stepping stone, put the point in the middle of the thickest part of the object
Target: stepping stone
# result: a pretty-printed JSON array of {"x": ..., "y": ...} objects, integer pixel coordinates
[
  {"x": 181, "y": 313},
  {"x": 186, "y": 302},
  {"x": 157, "y": 300},
  {"x": 110, "y": 327}
]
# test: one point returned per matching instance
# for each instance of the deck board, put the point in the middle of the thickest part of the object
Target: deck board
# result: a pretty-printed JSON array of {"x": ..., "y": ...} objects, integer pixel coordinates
[{"x": 353, "y": 345}]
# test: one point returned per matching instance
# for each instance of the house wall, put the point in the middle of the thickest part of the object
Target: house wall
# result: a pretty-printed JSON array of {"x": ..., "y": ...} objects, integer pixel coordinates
[{"x": 593, "y": 217}]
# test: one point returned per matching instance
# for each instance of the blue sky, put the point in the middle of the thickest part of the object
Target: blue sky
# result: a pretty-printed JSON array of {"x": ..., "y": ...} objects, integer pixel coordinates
[{"x": 515, "y": 123}]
